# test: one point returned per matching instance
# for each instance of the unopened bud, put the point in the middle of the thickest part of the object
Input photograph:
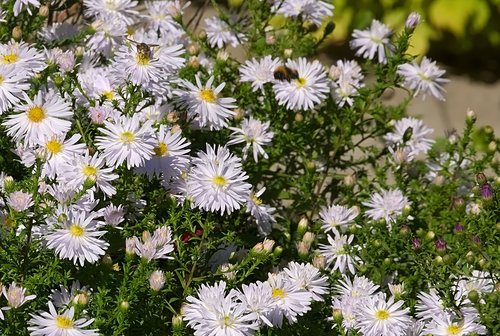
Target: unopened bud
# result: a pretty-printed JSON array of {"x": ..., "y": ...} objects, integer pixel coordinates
[
  {"x": 473, "y": 296},
  {"x": 277, "y": 251},
  {"x": 471, "y": 115},
  {"x": 202, "y": 35},
  {"x": 287, "y": 53},
  {"x": 319, "y": 261},
  {"x": 303, "y": 249},
  {"x": 17, "y": 33},
  {"x": 124, "y": 305},
  {"x": 81, "y": 299},
  {"x": 299, "y": 117},
  {"x": 458, "y": 228},
  {"x": 106, "y": 260},
  {"x": 194, "y": 62},
  {"x": 487, "y": 191},
  {"x": 470, "y": 257},
  {"x": 43, "y": 11},
  {"x": 302, "y": 226},
  {"x": 228, "y": 271},
  {"x": 482, "y": 263},
  {"x": 337, "y": 314},
  {"x": 177, "y": 323},
  {"x": 130, "y": 246},
  {"x": 156, "y": 280},
  {"x": 438, "y": 260},
  {"x": 438, "y": 180},
  {"x": 270, "y": 39},
  {"x": 453, "y": 137},
  {"x": 412, "y": 20},
  {"x": 481, "y": 179},
  {"x": 440, "y": 246},
  {"x": 268, "y": 245},
  {"x": 308, "y": 238},
  {"x": 349, "y": 180},
  {"x": 222, "y": 55},
  {"x": 416, "y": 243},
  {"x": 492, "y": 146},
  {"x": 193, "y": 49},
  {"x": 240, "y": 114},
  {"x": 430, "y": 235}
]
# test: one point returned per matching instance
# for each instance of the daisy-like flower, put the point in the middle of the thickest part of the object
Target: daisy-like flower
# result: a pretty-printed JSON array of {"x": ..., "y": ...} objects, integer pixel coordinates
[
  {"x": 113, "y": 215},
  {"x": 380, "y": 317},
  {"x": 19, "y": 201},
  {"x": 313, "y": 11},
  {"x": 449, "y": 325},
  {"x": 289, "y": 300},
  {"x": 204, "y": 104},
  {"x": 387, "y": 205},
  {"x": 19, "y": 4},
  {"x": 481, "y": 282},
  {"x": 259, "y": 72},
  {"x": 337, "y": 217},
  {"x": 47, "y": 113},
  {"x": 357, "y": 290},
  {"x": 108, "y": 36},
  {"x": 170, "y": 154},
  {"x": 307, "y": 277},
  {"x": 262, "y": 213},
  {"x": 219, "y": 33},
  {"x": 418, "y": 142},
  {"x": 162, "y": 13},
  {"x": 375, "y": 40},
  {"x": 12, "y": 86},
  {"x": 112, "y": 10},
  {"x": 59, "y": 151},
  {"x": 126, "y": 140},
  {"x": 139, "y": 64},
  {"x": 15, "y": 296},
  {"x": 218, "y": 185},
  {"x": 63, "y": 296},
  {"x": 76, "y": 238},
  {"x": 344, "y": 92},
  {"x": 254, "y": 133},
  {"x": 58, "y": 31},
  {"x": 53, "y": 323},
  {"x": 307, "y": 90},
  {"x": 347, "y": 78},
  {"x": 88, "y": 169},
  {"x": 338, "y": 253},
  {"x": 425, "y": 78},
  {"x": 156, "y": 246},
  {"x": 257, "y": 298},
  {"x": 429, "y": 305},
  {"x": 18, "y": 55}
]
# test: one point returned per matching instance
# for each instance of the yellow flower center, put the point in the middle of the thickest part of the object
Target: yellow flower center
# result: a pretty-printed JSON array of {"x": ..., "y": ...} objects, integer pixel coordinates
[
  {"x": 36, "y": 114},
  {"x": 227, "y": 321},
  {"x": 219, "y": 181},
  {"x": 127, "y": 137},
  {"x": 279, "y": 293},
  {"x": 76, "y": 230},
  {"x": 9, "y": 58},
  {"x": 256, "y": 200},
  {"x": 301, "y": 82},
  {"x": 161, "y": 150},
  {"x": 109, "y": 95},
  {"x": 382, "y": 314},
  {"x": 89, "y": 170},
  {"x": 110, "y": 5},
  {"x": 454, "y": 330},
  {"x": 63, "y": 322},
  {"x": 208, "y": 95},
  {"x": 54, "y": 146}
]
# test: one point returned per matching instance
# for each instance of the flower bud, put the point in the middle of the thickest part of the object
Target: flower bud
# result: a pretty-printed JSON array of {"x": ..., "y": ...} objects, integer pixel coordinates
[
  {"x": 481, "y": 178},
  {"x": 458, "y": 202},
  {"x": 471, "y": 115},
  {"x": 470, "y": 257},
  {"x": 492, "y": 146},
  {"x": 177, "y": 323},
  {"x": 377, "y": 243},
  {"x": 473, "y": 296},
  {"x": 156, "y": 280},
  {"x": 482, "y": 263},
  {"x": 106, "y": 260},
  {"x": 412, "y": 20},
  {"x": 458, "y": 228},
  {"x": 268, "y": 245},
  {"x": 270, "y": 39},
  {"x": 439, "y": 260},
  {"x": 319, "y": 261},
  {"x": 486, "y": 191},
  {"x": 299, "y": 117},
  {"x": 130, "y": 246},
  {"x": 43, "y": 11},
  {"x": 404, "y": 230},
  {"x": 302, "y": 226},
  {"x": 124, "y": 305},
  {"x": 430, "y": 235},
  {"x": 277, "y": 251},
  {"x": 350, "y": 180},
  {"x": 337, "y": 314},
  {"x": 239, "y": 114},
  {"x": 81, "y": 299},
  {"x": 308, "y": 238},
  {"x": 194, "y": 62},
  {"x": 303, "y": 249},
  {"x": 222, "y": 55},
  {"x": 416, "y": 243},
  {"x": 228, "y": 271},
  {"x": 440, "y": 246},
  {"x": 234, "y": 3},
  {"x": 475, "y": 239},
  {"x": 453, "y": 137},
  {"x": 287, "y": 53},
  {"x": 17, "y": 33},
  {"x": 438, "y": 180}
]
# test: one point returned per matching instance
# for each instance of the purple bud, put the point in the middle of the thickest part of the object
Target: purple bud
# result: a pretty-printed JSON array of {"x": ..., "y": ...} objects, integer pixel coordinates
[
  {"x": 458, "y": 228},
  {"x": 416, "y": 243},
  {"x": 412, "y": 20},
  {"x": 475, "y": 239},
  {"x": 486, "y": 191},
  {"x": 440, "y": 245}
]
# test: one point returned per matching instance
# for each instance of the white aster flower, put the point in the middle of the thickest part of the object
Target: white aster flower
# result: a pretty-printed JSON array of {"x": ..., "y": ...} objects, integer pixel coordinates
[
  {"x": 47, "y": 113},
  {"x": 23, "y": 58},
  {"x": 307, "y": 277},
  {"x": 19, "y": 4},
  {"x": 218, "y": 185},
  {"x": 338, "y": 252},
  {"x": 380, "y": 317},
  {"x": 357, "y": 290},
  {"x": 449, "y": 325},
  {"x": 481, "y": 282},
  {"x": 429, "y": 305},
  {"x": 53, "y": 323},
  {"x": 19, "y": 201},
  {"x": 219, "y": 33},
  {"x": 313, "y": 11},
  {"x": 254, "y": 133},
  {"x": 12, "y": 86},
  {"x": 64, "y": 297},
  {"x": 374, "y": 40},
  {"x": 387, "y": 205},
  {"x": 15, "y": 296},
  {"x": 418, "y": 142},
  {"x": 76, "y": 238},
  {"x": 262, "y": 213},
  {"x": 308, "y": 90},
  {"x": 425, "y": 78},
  {"x": 259, "y": 72},
  {"x": 59, "y": 151},
  {"x": 344, "y": 91},
  {"x": 157, "y": 280},
  {"x": 156, "y": 246},
  {"x": 58, "y": 31},
  {"x": 204, "y": 104},
  {"x": 112, "y": 10},
  {"x": 126, "y": 140},
  {"x": 113, "y": 215},
  {"x": 162, "y": 15},
  {"x": 88, "y": 169},
  {"x": 337, "y": 217},
  {"x": 257, "y": 298},
  {"x": 108, "y": 36}
]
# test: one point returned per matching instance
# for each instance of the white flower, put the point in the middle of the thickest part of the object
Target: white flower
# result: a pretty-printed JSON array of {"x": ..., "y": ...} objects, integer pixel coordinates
[
  {"x": 254, "y": 133},
  {"x": 15, "y": 296},
  {"x": 449, "y": 325},
  {"x": 19, "y": 201},
  {"x": 357, "y": 290},
  {"x": 156, "y": 280},
  {"x": 162, "y": 13},
  {"x": 257, "y": 298},
  {"x": 481, "y": 282},
  {"x": 108, "y": 36},
  {"x": 308, "y": 90},
  {"x": 418, "y": 142},
  {"x": 47, "y": 113},
  {"x": 338, "y": 252},
  {"x": 18, "y": 55},
  {"x": 19, "y": 4},
  {"x": 337, "y": 217},
  {"x": 77, "y": 238},
  {"x": 55, "y": 324},
  {"x": 219, "y": 33},
  {"x": 429, "y": 305},
  {"x": 12, "y": 86},
  {"x": 374, "y": 40},
  {"x": 380, "y": 317},
  {"x": 112, "y": 10},
  {"x": 156, "y": 246},
  {"x": 259, "y": 72},
  {"x": 262, "y": 213},
  {"x": 218, "y": 185},
  {"x": 126, "y": 140},
  {"x": 308, "y": 277},
  {"x": 313, "y": 11},
  {"x": 204, "y": 104},
  {"x": 425, "y": 78},
  {"x": 63, "y": 296},
  {"x": 113, "y": 215},
  {"x": 387, "y": 205},
  {"x": 59, "y": 151}
]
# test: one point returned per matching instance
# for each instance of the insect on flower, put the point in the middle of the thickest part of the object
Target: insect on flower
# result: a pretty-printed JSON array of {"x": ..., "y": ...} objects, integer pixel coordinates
[
  {"x": 284, "y": 73},
  {"x": 144, "y": 50}
]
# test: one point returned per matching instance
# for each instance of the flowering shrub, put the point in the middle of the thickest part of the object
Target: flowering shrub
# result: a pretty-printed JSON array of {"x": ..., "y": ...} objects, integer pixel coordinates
[{"x": 154, "y": 184}]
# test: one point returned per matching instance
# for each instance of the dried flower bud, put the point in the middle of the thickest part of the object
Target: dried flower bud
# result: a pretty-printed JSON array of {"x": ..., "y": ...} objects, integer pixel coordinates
[
  {"x": 17, "y": 33},
  {"x": 481, "y": 178},
  {"x": 193, "y": 49}
]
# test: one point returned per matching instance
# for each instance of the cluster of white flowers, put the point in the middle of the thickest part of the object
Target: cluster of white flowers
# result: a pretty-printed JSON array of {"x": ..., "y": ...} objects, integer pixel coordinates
[{"x": 287, "y": 294}]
